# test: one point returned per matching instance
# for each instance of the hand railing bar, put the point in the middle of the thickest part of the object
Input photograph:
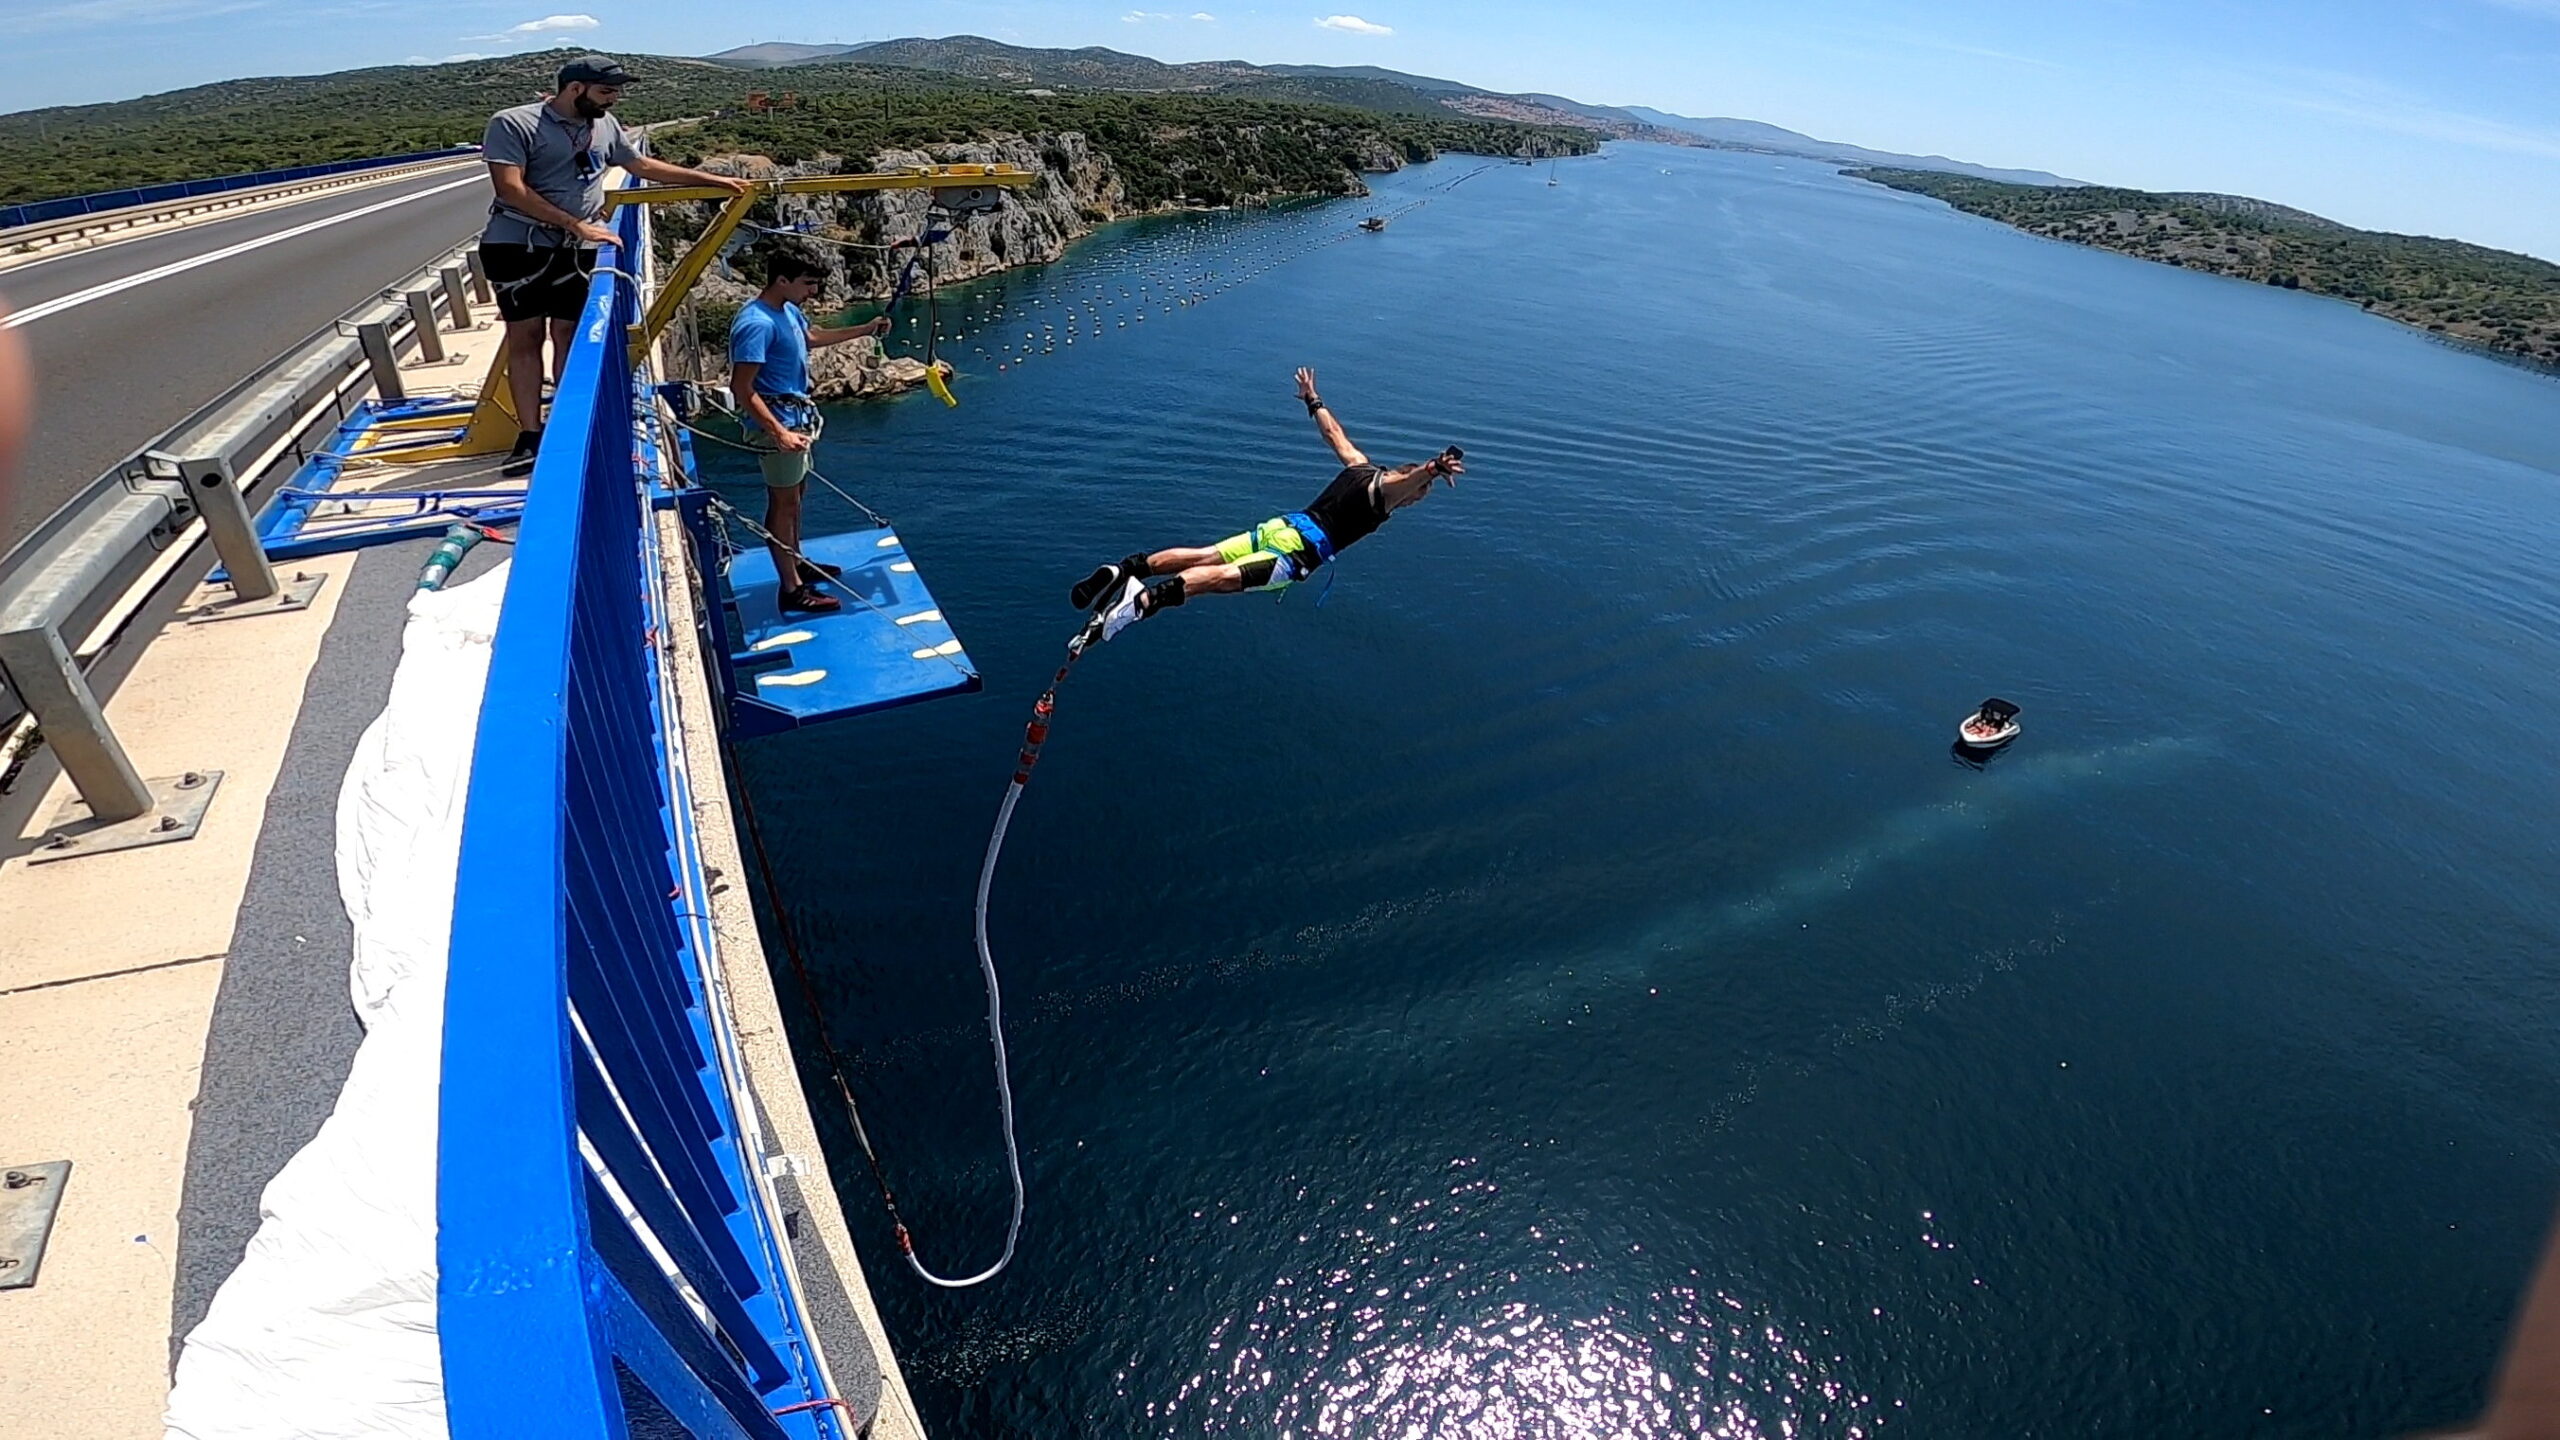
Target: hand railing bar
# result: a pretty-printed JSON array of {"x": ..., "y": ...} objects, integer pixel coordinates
[
  {"x": 659, "y": 1100},
  {"x": 662, "y": 988},
  {"x": 655, "y": 1334},
  {"x": 630, "y": 1164},
  {"x": 518, "y": 1335},
  {"x": 647, "y": 927},
  {"x": 606, "y": 1120},
  {"x": 705, "y": 1195},
  {"x": 742, "y": 1144},
  {"x": 644, "y": 914},
  {"x": 624, "y": 730},
  {"x": 490, "y": 1383},
  {"x": 700, "y": 940}
]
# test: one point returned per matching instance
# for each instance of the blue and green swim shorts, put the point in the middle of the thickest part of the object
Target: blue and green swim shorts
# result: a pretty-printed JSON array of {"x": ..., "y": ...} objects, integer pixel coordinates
[{"x": 1273, "y": 555}]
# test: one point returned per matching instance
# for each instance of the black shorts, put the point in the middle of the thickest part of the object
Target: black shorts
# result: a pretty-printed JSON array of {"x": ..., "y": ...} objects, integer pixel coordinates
[{"x": 547, "y": 282}]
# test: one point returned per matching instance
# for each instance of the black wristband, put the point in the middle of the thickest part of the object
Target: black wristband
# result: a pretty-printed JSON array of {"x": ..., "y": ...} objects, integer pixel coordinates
[{"x": 1314, "y": 403}]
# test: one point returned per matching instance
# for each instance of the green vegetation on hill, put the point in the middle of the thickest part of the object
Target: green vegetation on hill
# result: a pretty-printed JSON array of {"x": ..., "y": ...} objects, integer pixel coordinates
[
  {"x": 1206, "y": 146},
  {"x": 2506, "y": 302},
  {"x": 264, "y": 124},
  {"x": 1167, "y": 148}
]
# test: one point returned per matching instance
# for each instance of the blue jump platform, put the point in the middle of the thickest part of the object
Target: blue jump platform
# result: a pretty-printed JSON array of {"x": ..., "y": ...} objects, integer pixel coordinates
[{"x": 888, "y": 646}]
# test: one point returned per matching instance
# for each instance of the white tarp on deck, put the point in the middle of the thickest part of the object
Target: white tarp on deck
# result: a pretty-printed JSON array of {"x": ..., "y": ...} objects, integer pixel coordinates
[{"x": 327, "y": 1330}]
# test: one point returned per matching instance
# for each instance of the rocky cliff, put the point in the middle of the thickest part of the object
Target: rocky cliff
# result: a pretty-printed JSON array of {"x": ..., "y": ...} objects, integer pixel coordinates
[{"x": 1078, "y": 189}]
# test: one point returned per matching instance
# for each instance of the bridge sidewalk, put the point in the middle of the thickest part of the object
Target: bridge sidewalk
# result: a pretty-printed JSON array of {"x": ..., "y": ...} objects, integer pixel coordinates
[{"x": 113, "y": 970}]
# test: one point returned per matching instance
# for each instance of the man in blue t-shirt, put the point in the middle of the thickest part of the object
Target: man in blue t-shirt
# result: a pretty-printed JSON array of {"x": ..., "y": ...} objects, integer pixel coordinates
[{"x": 769, "y": 344}]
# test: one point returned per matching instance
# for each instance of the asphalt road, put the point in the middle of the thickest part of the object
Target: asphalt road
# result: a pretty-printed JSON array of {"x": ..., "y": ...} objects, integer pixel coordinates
[{"x": 116, "y": 368}]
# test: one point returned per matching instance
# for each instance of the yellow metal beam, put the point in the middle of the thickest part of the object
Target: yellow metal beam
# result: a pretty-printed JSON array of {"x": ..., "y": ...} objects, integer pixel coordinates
[
  {"x": 921, "y": 177},
  {"x": 493, "y": 424},
  {"x": 680, "y": 282}
]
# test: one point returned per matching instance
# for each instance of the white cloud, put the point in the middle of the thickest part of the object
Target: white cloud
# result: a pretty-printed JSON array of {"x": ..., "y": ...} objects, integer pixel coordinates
[
  {"x": 1141, "y": 17},
  {"x": 1204, "y": 15},
  {"x": 1355, "y": 25},
  {"x": 447, "y": 60},
  {"x": 2378, "y": 106},
  {"x": 533, "y": 30},
  {"x": 553, "y": 24}
]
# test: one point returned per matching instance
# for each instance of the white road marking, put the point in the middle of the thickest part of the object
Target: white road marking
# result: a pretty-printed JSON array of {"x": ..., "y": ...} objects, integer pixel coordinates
[
  {"x": 175, "y": 267},
  {"x": 221, "y": 215}
]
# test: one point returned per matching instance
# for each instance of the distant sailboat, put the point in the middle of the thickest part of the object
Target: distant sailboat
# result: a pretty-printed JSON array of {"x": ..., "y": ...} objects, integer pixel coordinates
[{"x": 1551, "y": 170}]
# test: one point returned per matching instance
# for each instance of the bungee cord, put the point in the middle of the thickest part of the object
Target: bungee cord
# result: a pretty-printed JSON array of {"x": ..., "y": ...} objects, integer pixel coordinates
[{"x": 1035, "y": 736}]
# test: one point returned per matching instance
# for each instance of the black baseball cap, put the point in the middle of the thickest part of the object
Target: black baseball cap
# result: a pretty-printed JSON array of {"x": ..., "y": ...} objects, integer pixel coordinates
[{"x": 595, "y": 70}]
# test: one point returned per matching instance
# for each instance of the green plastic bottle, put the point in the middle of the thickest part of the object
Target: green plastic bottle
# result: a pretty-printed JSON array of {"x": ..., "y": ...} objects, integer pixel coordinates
[{"x": 440, "y": 565}]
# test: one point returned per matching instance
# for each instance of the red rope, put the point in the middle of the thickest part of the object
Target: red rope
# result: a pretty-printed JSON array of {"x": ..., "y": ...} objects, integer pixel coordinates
[{"x": 851, "y": 1415}]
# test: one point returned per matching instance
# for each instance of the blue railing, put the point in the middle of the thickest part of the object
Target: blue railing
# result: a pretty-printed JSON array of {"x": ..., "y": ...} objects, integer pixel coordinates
[
  {"x": 37, "y": 212},
  {"x": 587, "y": 1079}
]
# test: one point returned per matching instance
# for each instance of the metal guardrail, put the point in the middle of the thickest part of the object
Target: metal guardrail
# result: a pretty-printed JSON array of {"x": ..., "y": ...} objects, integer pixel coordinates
[
  {"x": 70, "y": 578},
  {"x": 601, "y": 1227},
  {"x": 41, "y": 211}
]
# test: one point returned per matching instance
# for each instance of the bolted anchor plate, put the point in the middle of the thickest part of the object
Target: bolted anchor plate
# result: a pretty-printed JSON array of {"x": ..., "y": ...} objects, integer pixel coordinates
[
  {"x": 178, "y": 803},
  {"x": 29, "y": 1195},
  {"x": 293, "y": 592}
]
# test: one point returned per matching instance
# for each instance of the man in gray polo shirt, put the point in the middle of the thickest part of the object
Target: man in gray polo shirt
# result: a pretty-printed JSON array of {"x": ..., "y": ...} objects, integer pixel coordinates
[{"x": 547, "y": 162}]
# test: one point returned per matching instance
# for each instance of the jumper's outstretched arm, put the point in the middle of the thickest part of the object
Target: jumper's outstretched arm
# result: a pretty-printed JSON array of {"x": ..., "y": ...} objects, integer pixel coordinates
[
  {"x": 1326, "y": 425},
  {"x": 1406, "y": 484}
]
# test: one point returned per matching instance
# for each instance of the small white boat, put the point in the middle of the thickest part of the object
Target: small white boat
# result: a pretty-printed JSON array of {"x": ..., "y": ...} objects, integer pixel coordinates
[{"x": 1993, "y": 725}]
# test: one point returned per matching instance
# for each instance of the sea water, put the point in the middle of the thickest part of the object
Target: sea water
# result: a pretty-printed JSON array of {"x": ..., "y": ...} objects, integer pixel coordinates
[{"x": 1563, "y": 984}]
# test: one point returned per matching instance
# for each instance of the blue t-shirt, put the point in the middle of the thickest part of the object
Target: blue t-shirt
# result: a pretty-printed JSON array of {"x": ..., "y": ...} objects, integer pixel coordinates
[{"x": 776, "y": 338}]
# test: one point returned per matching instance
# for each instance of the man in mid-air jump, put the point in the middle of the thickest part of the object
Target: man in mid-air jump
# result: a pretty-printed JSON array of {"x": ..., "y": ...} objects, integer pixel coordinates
[{"x": 1278, "y": 552}]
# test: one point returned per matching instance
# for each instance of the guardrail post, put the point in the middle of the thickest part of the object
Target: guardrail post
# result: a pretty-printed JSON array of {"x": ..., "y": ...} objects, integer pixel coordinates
[
  {"x": 422, "y": 314},
  {"x": 117, "y": 808},
  {"x": 457, "y": 301},
  {"x": 375, "y": 340},
  {"x": 255, "y": 589},
  {"x": 75, "y": 727},
  {"x": 479, "y": 276}
]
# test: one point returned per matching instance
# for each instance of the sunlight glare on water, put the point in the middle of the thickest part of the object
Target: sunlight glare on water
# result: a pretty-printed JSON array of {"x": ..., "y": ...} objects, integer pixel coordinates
[{"x": 2184, "y": 1071}]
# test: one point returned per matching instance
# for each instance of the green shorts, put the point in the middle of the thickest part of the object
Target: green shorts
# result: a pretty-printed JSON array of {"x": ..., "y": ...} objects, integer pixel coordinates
[
  {"x": 1291, "y": 559},
  {"x": 787, "y": 469}
]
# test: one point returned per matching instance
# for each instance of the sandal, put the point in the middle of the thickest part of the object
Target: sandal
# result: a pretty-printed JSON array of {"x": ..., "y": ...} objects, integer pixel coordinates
[{"x": 808, "y": 601}]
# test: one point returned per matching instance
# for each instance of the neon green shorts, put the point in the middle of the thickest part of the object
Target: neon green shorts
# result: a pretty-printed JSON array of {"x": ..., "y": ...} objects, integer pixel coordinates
[{"x": 1277, "y": 541}]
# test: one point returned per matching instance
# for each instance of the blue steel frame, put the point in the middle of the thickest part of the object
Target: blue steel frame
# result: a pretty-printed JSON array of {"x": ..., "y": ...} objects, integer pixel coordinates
[{"x": 586, "y": 1075}]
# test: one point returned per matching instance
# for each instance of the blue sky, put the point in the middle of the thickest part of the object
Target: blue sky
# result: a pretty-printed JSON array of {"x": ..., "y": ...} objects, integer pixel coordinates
[{"x": 2432, "y": 116}]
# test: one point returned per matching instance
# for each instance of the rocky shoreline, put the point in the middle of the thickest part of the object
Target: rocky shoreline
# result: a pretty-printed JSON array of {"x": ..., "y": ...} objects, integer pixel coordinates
[{"x": 1079, "y": 190}]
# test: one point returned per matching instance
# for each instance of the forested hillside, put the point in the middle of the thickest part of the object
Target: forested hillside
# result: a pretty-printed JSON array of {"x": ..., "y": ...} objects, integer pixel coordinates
[
  {"x": 1185, "y": 144},
  {"x": 2507, "y": 302}
]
